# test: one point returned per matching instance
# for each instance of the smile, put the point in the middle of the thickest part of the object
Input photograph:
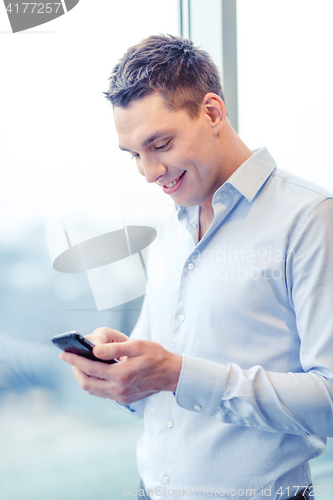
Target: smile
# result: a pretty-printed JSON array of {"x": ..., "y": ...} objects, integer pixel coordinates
[{"x": 174, "y": 185}]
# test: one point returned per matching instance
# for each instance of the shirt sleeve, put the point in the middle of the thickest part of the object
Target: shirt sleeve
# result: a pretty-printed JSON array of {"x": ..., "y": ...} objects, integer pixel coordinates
[{"x": 296, "y": 403}]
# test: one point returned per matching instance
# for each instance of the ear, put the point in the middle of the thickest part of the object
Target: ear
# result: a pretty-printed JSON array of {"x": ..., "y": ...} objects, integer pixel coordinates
[{"x": 214, "y": 110}]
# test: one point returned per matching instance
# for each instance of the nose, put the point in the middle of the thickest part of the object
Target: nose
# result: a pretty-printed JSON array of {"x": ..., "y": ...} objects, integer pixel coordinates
[{"x": 152, "y": 169}]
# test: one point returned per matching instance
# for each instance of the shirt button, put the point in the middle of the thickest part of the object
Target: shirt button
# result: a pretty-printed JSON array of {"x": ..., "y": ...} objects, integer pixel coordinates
[
  {"x": 170, "y": 424},
  {"x": 190, "y": 266},
  {"x": 182, "y": 317},
  {"x": 166, "y": 479},
  {"x": 197, "y": 407}
]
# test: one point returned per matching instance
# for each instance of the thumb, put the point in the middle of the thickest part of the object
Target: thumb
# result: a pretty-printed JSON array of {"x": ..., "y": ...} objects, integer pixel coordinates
[
  {"x": 105, "y": 335},
  {"x": 116, "y": 350}
]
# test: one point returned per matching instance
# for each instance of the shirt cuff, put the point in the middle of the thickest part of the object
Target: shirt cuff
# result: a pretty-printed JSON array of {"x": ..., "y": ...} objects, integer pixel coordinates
[
  {"x": 136, "y": 409},
  {"x": 201, "y": 385}
]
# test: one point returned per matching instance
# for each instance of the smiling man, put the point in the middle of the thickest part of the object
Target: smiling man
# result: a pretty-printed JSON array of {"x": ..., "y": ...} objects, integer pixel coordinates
[
  {"x": 231, "y": 360},
  {"x": 188, "y": 157}
]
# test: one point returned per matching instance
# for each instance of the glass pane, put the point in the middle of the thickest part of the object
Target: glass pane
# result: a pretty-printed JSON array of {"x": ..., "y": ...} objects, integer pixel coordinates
[
  {"x": 59, "y": 149},
  {"x": 285, "y": 83}
]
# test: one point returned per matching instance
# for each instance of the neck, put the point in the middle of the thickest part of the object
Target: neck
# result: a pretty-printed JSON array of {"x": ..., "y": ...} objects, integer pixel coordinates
[
  {"x": 233, "y": 152},
  {"x": 205, "y": 220}
]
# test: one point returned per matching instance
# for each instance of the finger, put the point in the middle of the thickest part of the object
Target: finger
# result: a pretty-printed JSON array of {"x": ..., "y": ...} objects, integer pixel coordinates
[
  {"x": 116, "y": 350},
  {"x": 94, "y": 386},
  {"x": 110, "y": 389},
  {"x": 106, "y": 335},
  {"x": 89, "y": 337},
  {"x": 89, "y": 367}
]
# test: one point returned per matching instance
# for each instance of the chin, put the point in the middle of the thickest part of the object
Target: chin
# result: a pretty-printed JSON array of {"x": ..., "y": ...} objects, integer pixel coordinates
[{"x": 183, "y": 202}]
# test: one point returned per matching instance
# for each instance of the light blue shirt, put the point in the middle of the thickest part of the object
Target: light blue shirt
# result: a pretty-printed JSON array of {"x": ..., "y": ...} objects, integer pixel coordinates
[{"x": 250, "y": 309}]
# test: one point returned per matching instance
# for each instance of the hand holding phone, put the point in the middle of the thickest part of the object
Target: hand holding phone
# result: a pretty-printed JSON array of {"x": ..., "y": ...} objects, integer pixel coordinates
[{"x": 77, "y": 344}]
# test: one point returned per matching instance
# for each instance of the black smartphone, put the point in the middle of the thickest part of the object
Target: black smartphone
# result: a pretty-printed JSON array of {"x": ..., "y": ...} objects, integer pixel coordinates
[{"x": 75, "y": 343}]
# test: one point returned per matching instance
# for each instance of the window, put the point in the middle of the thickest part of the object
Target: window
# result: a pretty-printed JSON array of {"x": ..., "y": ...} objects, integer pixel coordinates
[{"x": 59, "y": 147}]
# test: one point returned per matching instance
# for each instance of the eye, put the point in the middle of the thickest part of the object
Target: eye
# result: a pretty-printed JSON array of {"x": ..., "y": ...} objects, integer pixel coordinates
[
  {"x": 164, "y": 146},
  {"x": 136, "y": 156}
]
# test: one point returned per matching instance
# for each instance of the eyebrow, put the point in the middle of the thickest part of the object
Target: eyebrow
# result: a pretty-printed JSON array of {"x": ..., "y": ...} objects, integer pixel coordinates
[{"x": 156, "y": 135}]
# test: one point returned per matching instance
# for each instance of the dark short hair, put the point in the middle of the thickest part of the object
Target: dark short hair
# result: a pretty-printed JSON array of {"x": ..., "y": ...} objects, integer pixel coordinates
[{"x": 171, "y": 65}]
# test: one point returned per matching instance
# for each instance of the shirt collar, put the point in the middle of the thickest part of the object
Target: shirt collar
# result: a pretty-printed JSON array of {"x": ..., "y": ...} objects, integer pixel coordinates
[{"x": 247, "y": 179}]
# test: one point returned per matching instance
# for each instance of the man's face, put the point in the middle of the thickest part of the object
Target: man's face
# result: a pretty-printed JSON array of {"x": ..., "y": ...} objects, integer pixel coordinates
[{"x": 179, "y": 153}]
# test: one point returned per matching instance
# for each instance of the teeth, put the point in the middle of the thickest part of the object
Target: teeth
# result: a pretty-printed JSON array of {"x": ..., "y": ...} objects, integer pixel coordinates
[{"x": 173, "y": 183}]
